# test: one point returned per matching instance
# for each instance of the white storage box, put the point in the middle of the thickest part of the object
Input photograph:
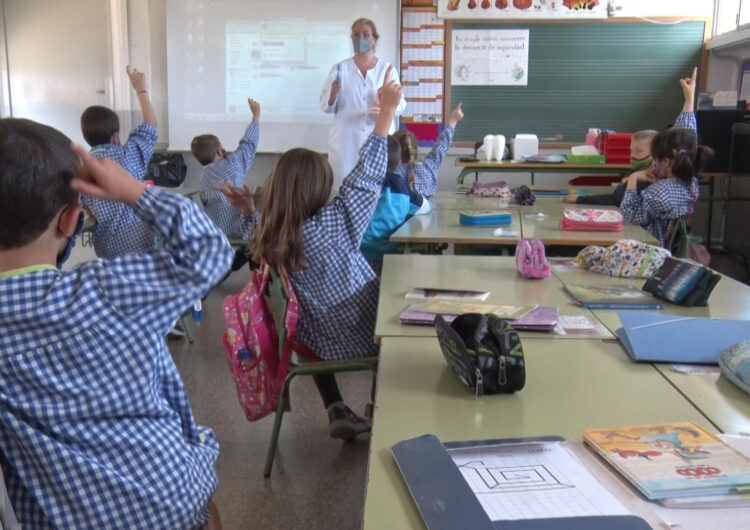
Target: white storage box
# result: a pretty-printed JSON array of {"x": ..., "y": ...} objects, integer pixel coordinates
[{"x": 524, "y": 145}]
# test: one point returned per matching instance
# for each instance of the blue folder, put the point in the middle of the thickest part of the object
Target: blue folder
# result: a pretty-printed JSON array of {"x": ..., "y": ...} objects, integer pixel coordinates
[{"x": 656, "y": 337}]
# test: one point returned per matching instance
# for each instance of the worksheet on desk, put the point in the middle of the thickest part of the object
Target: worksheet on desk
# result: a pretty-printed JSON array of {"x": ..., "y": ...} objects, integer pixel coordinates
[{"x": 533, "y": 480}]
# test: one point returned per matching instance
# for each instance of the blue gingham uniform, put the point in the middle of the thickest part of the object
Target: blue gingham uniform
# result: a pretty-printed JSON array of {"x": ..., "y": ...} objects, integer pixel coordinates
[
  {"x": 118, "y": 230},
  {"x": 96, "y": 430},
  {"x": 230, "y": 169},
  {"x": 659, "y": 204},
  {"x": 338, "y": 293},
  {"x": 426, "y": 172}
]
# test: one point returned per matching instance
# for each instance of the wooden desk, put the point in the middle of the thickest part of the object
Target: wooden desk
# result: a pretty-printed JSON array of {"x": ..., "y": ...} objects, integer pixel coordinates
[
  {"x": 495, "y": 274},
  {"x": 532, "y": 168},
  {"x": 720, "y": 400},
  {"x": 442, "y": 226},
  {"x": 570, "y": 385},
  {"x": 548, "y": 230},
  {"x": 729, "y": 299}
]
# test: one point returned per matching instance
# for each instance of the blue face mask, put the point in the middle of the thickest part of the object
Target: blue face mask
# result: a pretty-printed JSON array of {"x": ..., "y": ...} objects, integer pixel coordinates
[
  {"x": 63, "y": 257},
  {"x": 361, "y": 45}
]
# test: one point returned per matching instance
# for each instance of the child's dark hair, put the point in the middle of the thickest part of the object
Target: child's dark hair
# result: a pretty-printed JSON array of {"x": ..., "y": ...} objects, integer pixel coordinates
[
  {"x": 681, "y": 145},
  {"x": 409, "y": 150},
  {"x": 204, "y": 148},
  {"x": 36, "y": 168},
  {"x": 98, "y": 124},
  {"x": 394, "y": 153}
]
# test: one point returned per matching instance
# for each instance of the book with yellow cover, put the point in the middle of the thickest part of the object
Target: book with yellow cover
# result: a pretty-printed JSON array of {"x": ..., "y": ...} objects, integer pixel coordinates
[{"x": 671, "y": 460}]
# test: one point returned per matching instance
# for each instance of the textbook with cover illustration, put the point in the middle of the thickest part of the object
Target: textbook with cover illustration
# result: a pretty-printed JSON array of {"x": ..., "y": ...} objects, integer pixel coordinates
[
  {"x": 611, "y": 297},
  {"x": 670, "y": 460},
  {"x": 418, "y": 293}
]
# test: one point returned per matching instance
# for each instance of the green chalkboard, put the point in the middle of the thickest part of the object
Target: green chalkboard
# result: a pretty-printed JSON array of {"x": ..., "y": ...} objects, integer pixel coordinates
[{"x": 621, "y": 76}]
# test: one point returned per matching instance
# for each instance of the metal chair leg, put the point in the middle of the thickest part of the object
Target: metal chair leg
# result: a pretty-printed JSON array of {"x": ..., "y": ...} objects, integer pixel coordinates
[
  {"x": 186, "y": 329},
  {"x": 277, "y": 424}
]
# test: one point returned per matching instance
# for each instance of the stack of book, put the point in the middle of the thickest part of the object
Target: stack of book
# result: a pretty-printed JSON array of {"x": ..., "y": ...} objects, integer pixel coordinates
[{"x": 677, "y": 464}]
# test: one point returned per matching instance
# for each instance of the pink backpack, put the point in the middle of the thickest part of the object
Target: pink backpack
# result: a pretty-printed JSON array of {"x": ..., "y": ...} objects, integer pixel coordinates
[
  {"x": 530, "y": 258},
  {"x": 251, "y": 342}
]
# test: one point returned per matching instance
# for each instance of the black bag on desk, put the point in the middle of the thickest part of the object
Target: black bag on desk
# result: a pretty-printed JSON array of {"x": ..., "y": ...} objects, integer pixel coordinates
[
  {"x": 683, "y": 282},
  {"x": 484, "y": 351},
  {"x": 166, "y": 169}
]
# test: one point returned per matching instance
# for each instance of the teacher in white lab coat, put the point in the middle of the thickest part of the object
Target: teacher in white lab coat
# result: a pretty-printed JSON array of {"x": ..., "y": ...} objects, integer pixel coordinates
[{"x": 350, "y": 93}]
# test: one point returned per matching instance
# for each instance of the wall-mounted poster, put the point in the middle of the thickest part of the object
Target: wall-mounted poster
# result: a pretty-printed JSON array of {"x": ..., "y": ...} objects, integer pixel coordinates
[
  {"x": 490, "y": 57},
  {"x": 499, "y": 9}
]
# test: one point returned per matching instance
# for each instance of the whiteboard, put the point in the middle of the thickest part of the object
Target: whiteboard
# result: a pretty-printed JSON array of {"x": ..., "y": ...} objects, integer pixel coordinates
[{"x": 278, "y": 52}]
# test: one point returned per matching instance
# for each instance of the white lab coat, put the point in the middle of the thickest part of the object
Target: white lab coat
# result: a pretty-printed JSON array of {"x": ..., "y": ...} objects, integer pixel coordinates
[{"x": 351, "y": 122}]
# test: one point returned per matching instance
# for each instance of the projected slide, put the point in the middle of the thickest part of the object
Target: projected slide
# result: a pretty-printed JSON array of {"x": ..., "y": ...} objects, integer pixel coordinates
[
  {"x": 220, "y": 52},
  {"x": 283, "y": 64}
]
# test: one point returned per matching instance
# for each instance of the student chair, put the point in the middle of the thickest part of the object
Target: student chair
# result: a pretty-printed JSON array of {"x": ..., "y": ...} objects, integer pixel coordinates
[{"x": 278, "y": 300}]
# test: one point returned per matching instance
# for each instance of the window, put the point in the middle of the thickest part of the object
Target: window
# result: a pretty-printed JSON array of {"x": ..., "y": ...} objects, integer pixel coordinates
[{"x": 731, "y": 14}]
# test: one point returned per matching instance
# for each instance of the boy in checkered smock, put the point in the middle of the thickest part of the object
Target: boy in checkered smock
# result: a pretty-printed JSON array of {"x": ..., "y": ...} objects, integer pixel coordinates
[
  {"x": 677, "y": 160},
  {"x": 423, "y": 176},
  {"x": 222, "y": 168},
  {"x": 118, "y": 230},
  {"x": 96, "y": 430},
  {"x": 318, "y": 243}
]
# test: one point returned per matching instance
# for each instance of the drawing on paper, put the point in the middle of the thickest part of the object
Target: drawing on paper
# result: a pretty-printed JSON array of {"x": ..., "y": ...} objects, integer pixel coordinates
[{"x": 497, "y": 478}]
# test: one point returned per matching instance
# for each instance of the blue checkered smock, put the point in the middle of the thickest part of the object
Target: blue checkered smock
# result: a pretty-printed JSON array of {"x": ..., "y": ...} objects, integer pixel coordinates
[
  {"x": 230, "y": 169},
  {"x": 96, "y": 430},
  {"x": 338, "y": 293},
  {"x": 426, "y": 172},
  {"x": 656, "y": 206},
  {"x": 118, "y": 230}
]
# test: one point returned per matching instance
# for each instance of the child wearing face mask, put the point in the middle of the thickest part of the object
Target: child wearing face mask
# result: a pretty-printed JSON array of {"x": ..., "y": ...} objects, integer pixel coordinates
[
  {"x": 677, "y": 161},
  {"x": 640, "y": 158}
]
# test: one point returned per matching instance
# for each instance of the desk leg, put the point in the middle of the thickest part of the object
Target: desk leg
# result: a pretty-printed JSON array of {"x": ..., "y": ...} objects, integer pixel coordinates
[{"x": 710, "y": 211}]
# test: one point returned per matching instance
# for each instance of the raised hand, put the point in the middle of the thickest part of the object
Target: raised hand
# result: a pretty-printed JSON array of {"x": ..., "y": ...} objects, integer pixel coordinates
[
  {"x": 242, "y": 199},
  {"x": 688, "y": 89},
  {"x": 254, "y": 108},
  {"x": 105, "y": 179},
  {"x": 456, "y": 115},
  {"x": 137, "y": 79}
]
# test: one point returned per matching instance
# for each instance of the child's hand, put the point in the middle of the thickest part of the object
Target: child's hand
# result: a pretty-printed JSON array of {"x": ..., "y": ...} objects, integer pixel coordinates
[
  {"x": 570, "y": 198},
  {"x": 688, "y": 89},
  {"x": 105, "y": 179},
  {"x": 391, "y": 91},
  {"x": 137, "y": 79},
  {"x": 645, "y": 175},
  {"x": 242, "y": 199},
  {"x": 456, "y": 115},
  {"x": 254, "y": 109}
]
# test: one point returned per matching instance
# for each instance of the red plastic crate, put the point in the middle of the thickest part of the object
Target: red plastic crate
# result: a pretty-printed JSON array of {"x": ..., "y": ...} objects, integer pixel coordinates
[{"x": 616, "y": 147}]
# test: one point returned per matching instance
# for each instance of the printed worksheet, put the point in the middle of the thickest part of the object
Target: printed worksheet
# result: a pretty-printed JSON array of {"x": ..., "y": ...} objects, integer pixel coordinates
[{"x": 533, "y": 480}]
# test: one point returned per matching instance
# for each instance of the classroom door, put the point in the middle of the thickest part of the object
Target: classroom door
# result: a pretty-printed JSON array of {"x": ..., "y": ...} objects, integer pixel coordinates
[{"x": 58, "y": 60}]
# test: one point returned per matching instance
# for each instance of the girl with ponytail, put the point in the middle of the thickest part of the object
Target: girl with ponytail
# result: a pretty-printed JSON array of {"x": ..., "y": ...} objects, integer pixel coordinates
[
  {"x": 677, "y": 162},
  {"x": 423, "y": 176}
]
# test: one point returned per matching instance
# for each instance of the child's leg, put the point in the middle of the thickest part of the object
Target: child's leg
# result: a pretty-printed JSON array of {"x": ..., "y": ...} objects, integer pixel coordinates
[
  {"x": 328, "y": 389},
  {"x": 343, "y": 423},
  {"x": 214, "y": 523}
]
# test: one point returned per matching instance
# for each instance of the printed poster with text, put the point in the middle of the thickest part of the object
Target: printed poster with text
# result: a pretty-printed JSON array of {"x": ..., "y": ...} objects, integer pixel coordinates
[{"x": 490, "y": 57}]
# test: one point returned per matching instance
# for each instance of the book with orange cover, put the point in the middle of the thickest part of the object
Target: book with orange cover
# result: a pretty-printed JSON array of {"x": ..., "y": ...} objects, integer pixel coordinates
[{"x": 669, "y": 460}]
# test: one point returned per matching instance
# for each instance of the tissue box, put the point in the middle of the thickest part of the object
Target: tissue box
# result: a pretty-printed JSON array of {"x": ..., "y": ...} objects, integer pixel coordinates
[{"x": 524, "y": 145}]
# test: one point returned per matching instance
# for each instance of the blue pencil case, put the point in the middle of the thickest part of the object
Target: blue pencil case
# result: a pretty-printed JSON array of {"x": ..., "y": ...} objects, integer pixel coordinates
[{"x": 485, "y": 218}]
